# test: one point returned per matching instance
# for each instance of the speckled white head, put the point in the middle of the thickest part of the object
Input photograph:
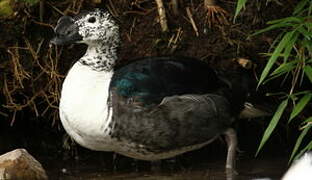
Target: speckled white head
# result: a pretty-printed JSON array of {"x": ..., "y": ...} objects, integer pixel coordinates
[{"x": 97, "y": 26}]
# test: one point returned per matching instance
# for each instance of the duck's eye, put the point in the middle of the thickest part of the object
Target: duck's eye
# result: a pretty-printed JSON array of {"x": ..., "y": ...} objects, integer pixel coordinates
[{"x": 91, "y": 20}]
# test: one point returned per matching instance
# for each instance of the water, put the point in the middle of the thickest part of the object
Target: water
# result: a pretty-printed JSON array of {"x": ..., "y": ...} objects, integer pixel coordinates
[{"x": 248, "y": 169}]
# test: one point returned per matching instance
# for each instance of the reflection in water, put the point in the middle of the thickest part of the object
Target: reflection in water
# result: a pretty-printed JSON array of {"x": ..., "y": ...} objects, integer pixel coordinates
[{"x": 248, "y": 170}]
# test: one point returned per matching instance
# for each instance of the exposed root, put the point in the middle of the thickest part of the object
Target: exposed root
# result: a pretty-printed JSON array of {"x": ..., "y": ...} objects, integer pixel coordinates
[
  {"x": 34, "y": 93},
  {"x": 215, "y": 14},
  {"x": 19, "y": 73},
  {"x": 162, "y": 15},
  {"x": 175, "y": 7}
]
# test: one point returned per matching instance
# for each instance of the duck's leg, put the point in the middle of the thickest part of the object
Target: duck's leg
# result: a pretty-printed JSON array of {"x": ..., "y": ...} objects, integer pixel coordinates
[
  {"x": 156, "y": 166},
  {"x": 231, "y": 140},
  {"x": 114, "y": 161},
  {"x": 215, "y": 14}
]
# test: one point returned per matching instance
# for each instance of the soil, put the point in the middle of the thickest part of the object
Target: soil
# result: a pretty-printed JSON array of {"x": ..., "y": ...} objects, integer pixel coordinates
[{"x": 32, "y": 70}]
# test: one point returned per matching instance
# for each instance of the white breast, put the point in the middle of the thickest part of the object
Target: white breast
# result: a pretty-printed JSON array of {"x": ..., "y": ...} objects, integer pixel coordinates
[{"x": 84, "y": 111}]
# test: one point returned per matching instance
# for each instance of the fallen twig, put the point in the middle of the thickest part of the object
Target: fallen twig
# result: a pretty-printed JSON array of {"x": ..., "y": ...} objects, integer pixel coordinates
[
  {"x": 4, "y": 114},
  {"x": 173, "y": 42}
]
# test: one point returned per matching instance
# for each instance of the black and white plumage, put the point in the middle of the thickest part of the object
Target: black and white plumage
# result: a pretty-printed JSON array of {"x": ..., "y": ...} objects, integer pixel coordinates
[{"x": 153, "y": 108}]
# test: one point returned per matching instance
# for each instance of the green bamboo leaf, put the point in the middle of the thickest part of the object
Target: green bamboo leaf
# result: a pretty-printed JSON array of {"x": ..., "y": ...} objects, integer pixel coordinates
[
  {"x": 299, "y": 107},
  {"x": 276, "y": 117},
  {"x": 305, "y": 33},
  {"x": 275, "y": 55},
  {"x": 290, "y": 46},
  {"x": 284, "y": 68},
  {"x": 308, "y": 120},
  {"x": 307, "y": 45},
  {"x": 274, "y": 44},
  {"x": 269, "y": 28},
  {"x": 240, "y": 5},
  {"x": 270, "y": 78},
  {"x": 305, "y": 149},
  {"x": 277, "y": 94},
  {"x": 291, "y": 20},
  {"x": 300, "y": 6},
  {"x": 298, "y": 142},
  {"x": 308, "y": 24},
  {"x": 308, "y": 72},
  {"x": 301, "y": 93}
]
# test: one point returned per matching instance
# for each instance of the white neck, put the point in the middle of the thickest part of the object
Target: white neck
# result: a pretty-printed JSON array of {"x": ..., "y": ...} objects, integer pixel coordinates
[
  {"x": 100, "y": 57},
  {"x": 84, "y": 109}
]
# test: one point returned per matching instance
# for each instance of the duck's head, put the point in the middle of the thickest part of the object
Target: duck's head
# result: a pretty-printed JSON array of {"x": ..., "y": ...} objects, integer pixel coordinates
[{"x": 89, "y": 27}]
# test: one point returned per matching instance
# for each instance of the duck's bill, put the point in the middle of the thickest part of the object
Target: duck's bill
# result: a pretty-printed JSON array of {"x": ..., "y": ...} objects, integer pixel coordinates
[
  {"x": 66, "y": 32},
  {"x": 64, "y": 41}
]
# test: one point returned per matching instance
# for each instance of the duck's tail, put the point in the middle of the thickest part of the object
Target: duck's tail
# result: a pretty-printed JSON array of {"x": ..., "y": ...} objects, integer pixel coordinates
[
  {"x": 240, "y": 89},
  {"x": 253, "y": 111}
]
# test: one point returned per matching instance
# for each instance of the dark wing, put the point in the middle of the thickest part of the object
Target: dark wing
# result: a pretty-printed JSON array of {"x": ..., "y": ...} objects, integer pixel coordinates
[
  {"x": 149, "y": 80},
  {"x": 179, "y": 121}
]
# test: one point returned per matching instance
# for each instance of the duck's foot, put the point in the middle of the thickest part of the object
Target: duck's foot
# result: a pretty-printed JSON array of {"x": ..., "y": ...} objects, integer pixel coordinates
[
  {"x": 215, "y": 14},
  {"x": 231, "y": 140}
]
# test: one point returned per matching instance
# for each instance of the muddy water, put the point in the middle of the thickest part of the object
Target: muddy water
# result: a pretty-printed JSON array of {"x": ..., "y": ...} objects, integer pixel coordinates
[{"x": 248, "y": 169}]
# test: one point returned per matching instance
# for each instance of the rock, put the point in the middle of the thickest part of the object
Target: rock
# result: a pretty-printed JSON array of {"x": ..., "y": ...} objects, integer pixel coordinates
[{"x": 20, "y": 165}]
